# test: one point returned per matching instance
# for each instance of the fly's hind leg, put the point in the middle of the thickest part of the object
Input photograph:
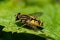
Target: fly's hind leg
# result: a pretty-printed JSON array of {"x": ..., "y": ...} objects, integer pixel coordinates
[{"x": 34, "y": 28}]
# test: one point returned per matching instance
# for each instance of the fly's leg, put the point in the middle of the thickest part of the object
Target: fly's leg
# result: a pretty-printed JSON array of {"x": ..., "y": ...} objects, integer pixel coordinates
[
  {"x": 34, "y": 27},
  {"x": 22, "y": 26},
  {"x": 18, "y": 20}
]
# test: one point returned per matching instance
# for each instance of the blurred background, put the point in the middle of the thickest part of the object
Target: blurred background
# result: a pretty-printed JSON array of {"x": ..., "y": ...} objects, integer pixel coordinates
[{"x": 50, "y": 17}]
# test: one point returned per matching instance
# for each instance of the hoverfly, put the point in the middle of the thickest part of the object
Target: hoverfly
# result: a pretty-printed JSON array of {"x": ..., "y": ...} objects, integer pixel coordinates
[{"x": 29, "y": 20}]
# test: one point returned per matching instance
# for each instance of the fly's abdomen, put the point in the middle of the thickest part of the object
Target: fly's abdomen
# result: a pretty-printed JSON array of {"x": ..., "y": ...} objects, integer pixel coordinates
[{"x": 41, "y": 23}]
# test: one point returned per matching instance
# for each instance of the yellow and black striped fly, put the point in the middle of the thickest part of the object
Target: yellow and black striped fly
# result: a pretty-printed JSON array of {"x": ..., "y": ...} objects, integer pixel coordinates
[{"x": 29, "y": 20}]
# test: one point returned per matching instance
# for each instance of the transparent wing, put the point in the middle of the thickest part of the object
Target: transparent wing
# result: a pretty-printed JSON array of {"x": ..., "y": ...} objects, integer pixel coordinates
[{"x": 36, "y": 14}]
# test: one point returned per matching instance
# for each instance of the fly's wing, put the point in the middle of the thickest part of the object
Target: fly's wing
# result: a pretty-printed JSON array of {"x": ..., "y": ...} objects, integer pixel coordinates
[{"x": 37, "y": 14}]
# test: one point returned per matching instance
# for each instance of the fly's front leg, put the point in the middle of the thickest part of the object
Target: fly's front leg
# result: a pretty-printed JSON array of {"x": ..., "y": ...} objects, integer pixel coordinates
[{"x": 22, "y": 26}]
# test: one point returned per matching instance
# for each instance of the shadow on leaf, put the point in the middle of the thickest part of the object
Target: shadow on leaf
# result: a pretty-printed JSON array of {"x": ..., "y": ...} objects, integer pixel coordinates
[{"x": 19, "y": 36}]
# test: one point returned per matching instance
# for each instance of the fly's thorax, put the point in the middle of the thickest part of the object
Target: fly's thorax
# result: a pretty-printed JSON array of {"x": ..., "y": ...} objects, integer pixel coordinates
[
  {"x": 27, "y": 21},
  {"x": 23, "y": 21}
]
